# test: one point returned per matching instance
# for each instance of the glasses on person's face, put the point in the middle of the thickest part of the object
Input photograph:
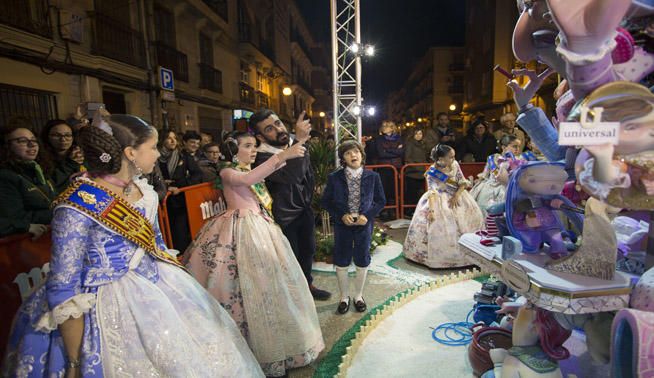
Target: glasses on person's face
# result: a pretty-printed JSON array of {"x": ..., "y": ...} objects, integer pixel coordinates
[
  {"x": 22, "y": 141},
  {"x": 62, "y": 136}
]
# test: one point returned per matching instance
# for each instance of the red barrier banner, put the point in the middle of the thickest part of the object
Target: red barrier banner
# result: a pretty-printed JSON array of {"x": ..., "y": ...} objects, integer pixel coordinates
[
  {"x": 23, "y": 265},
  {"x": 202, "y": 202},
  {"x": 472, "y": 169}
]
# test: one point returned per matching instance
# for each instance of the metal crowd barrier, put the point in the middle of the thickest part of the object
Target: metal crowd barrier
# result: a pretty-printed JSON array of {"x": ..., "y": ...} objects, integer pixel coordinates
[
  {"x": 468, "y": 169},
  {"x": 202, "y": 202},
  {"x": 397, "y": 205},
  {"x": 23, "y": 265}
]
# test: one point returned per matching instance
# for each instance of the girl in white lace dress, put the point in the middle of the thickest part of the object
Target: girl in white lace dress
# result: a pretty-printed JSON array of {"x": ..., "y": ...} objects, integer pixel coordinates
[
  {"x": 115, "y": 302},
  {"x": 443, "y": 214}
]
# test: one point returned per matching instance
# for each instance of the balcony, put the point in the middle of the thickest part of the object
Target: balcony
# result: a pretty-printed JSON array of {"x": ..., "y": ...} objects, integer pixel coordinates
[
  {"x": 31, "y": 16},
  {"x": 220, "y": 7},
  {"x": 297, "y": 38},
  {"x": 114, "y": 40},
  {"x": 211, "y": 78},
  {"x": 304, "y": 84},
  {"x": 171, "y": 58},
  {"x": 246, "y": 35},
  {"x": 262, "y": 100},
  {"x": 246, "y": 95}
]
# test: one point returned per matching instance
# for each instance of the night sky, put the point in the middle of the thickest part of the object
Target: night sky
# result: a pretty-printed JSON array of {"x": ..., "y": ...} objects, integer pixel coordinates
[{"x": 401, "y": 31}]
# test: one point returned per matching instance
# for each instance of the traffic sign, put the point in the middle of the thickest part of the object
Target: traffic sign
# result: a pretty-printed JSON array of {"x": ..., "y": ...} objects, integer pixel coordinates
[{"x": 166, "y": 79}]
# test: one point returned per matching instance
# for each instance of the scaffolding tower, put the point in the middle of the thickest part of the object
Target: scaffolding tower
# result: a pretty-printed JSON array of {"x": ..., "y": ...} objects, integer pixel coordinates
[{"x": 346, "y": 66}]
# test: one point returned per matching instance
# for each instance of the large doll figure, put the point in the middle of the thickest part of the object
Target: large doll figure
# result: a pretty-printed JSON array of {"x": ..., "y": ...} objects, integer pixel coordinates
[
  {"x": 622, "y": 175},
  {"x": 443, "y": 214},
  {"x": 115, "y": 302},
  {"x": 244, "y": 260},
  {"x": 533, "y": 196}
]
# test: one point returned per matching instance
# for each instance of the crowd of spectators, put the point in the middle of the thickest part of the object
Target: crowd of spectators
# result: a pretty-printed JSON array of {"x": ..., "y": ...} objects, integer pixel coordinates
[
  {"x": 396, "y": 148},
  {"x": 38, "y": 163},
  {"x": 36, "y": 166}
]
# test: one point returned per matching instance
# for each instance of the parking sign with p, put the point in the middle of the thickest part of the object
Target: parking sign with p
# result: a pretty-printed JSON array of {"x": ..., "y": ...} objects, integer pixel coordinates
[{"x": 166, "y": 79}]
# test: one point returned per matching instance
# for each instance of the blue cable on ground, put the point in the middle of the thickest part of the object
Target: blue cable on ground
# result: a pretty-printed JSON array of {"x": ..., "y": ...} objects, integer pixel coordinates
[{"x": 457, "y": 333}]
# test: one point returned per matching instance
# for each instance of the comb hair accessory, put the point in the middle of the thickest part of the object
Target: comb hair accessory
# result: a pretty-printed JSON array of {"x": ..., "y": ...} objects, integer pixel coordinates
[{"x": 99, "y": 122}]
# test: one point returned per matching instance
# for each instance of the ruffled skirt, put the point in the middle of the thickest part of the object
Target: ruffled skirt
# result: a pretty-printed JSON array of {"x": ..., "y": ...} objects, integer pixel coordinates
[
  {"x": 245, "y": 261},
  {"x": 168, "y": 328},
  {"x": 435, "y": 243}
]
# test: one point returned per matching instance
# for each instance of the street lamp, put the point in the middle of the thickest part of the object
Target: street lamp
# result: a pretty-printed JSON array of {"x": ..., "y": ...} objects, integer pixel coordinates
[
  {"x": 452, "y": 107},
  {"x": 287, "y": 91}
]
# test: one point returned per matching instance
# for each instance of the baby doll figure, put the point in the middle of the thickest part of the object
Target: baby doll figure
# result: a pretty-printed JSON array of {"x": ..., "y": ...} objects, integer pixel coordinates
[
  {"x": 353, "y": 197},
  {"x": 622, "y": 175},
  {"x": 533, "y": 194}
]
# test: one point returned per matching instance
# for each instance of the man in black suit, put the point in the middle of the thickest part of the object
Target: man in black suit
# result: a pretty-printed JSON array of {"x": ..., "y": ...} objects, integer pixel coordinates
[{"x": 291, "y": 187}]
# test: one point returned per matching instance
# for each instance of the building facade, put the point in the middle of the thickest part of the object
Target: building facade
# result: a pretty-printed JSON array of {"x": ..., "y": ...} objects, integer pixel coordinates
[
  {"x": 225, "y": 56},
  {"x": 489, "y": 35},
  {"x": 434, "y": 85}
]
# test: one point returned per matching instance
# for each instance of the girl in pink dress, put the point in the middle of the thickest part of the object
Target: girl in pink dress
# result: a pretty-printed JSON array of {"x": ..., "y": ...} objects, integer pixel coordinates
[{"x": 247, "y": 264}]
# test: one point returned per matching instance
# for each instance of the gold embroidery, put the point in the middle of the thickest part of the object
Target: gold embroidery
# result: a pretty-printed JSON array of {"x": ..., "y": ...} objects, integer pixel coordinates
[
  {"x": 87, "y": 197},
  {"x": 121, "y": 217}
]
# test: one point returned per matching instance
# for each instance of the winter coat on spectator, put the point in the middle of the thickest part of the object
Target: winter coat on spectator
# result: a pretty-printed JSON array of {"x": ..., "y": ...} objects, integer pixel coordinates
[
  {"x": 480, "y": 149},
  {"x": 416, "y": 152},
  {"x": 209, "y": 170},
  {"x": 25, "y": 197},
  {"x": 155, "y": 178},
  {"x": 389, "y": 150}
]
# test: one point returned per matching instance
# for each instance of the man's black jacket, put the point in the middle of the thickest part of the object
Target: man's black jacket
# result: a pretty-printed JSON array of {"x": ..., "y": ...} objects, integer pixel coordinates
[{"x": 291, "y": 187}]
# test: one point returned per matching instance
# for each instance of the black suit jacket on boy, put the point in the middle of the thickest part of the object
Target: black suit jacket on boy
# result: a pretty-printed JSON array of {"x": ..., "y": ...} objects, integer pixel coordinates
[{"x": 335, "y": 197}]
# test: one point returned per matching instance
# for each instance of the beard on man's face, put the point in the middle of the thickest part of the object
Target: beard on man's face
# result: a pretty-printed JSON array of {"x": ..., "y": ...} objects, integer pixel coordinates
[{"x": 280, "y": 141}]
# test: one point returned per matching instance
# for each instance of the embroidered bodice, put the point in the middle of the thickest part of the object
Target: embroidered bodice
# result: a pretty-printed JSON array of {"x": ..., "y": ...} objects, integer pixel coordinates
[
  {"x": 237, "y": 184},
  {"x": 85, "y": 254},
  {"x": 455, "y": 179}
]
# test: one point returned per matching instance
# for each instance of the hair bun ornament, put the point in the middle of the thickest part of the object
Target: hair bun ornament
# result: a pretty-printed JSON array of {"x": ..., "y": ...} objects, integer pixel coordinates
[
  {"x": 105, "y": 158},
  {"x": 100, "y": 123}
]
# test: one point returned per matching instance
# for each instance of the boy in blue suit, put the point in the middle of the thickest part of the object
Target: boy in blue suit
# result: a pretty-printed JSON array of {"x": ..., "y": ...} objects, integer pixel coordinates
[{"x": 353, "y": 197}]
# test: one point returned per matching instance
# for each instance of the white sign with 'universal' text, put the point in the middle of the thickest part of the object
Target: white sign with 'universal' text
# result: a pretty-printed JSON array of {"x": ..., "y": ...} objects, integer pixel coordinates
[{"x": 574, "y": 134}]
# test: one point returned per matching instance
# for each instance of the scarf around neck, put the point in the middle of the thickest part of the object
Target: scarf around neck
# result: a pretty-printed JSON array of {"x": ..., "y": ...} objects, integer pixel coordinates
[{"x": 171, "y": 158}]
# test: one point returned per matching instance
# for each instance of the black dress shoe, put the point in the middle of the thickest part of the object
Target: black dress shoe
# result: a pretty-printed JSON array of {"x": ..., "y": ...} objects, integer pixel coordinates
[
  {"x": 343, "y": 306},
  {"x": 319, "y": 295},
  {"x": 360, "y": 305}
]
